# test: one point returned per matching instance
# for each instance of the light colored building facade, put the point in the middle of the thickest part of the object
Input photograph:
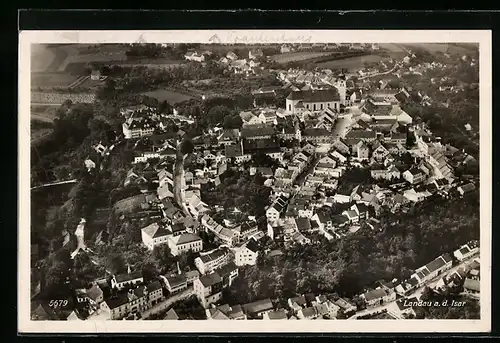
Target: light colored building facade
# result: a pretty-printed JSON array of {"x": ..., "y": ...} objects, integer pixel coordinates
[{"x": 185, "y": 242}]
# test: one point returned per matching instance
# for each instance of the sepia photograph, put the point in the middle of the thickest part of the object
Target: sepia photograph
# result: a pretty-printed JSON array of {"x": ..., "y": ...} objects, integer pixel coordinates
[{"x": 261, "y": 176}]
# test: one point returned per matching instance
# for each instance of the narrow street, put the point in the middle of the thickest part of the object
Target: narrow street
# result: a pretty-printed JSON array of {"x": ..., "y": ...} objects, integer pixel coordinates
[
  {"x": 167, "y": 302},
  {"x": 55, "y": 184},
  {"x": 382, "y": 73},
  {"x": 179, "y": 183},
  {"x": 299, "y": 181},
  {"x": 343, "y": 123}
]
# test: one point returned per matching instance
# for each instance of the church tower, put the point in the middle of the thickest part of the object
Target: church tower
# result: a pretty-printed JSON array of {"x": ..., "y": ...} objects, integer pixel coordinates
[{"x": 341, "y": 86}]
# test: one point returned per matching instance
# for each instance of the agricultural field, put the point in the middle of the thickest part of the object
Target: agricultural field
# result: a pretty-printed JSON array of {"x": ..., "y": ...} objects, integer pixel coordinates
[
  {"x": 78, "y": 68},
  {"x": 87, "y": 83},
  {"x": 392, "y": 47},
  {"x": 50, "y": 58},
  {"x": 86, "y": 49},
  {"x": 41, "y": 57},
  {"x": 352, "y": 64},
  {"x": 219, "y": 48},
  {"x": 46, "y": 113},
  {"x": 50, "y": 80},
  {"x": 298, "y": 56},
  {"x": 75, "y": 69},
  {"x": 42, "y": 118},
  {"x": 55, "y": 98},
  {"x": 439, "y": 47},
  {"x": 38, "y": 133},
  {"x": 171, "y": 97},
  {"x": 76, "y": 62}
]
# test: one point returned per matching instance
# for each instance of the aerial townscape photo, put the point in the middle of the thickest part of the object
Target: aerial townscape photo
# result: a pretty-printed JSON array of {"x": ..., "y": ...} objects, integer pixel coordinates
[{"x": 295, "y": 181}]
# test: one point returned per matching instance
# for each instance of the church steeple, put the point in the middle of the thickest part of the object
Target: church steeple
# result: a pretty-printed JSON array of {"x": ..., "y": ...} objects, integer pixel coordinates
[{"x": 341, "y": 86}]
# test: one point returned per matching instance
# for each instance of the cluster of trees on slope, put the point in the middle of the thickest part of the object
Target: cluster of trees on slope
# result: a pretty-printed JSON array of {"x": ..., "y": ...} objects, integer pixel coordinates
[
  {"x": 349, "y": 265},
  {"x": 141, "y": 78},
  {"x": 63, "y": 151},
  {"x": 463, "y": 106},
  {"x": 240, "y": 190},
  {"x": 152, "y": 50}
]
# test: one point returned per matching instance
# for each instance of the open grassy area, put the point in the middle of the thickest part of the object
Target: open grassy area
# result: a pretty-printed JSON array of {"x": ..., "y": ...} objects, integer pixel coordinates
[
  {"x": 392, "y": 47},
  {"x": 130, "y": 204},
  {"x": 440, "y": 47},
  {"x": 42, "y": 118},
  {"x": 47, "y": 80},
  {"x": 38, "y": 134},
  {"x": 87, "y": 49},
  {"x": 298, "y": 56},
  {"x": 46, "y": 113},
  {"x": 75, "y": 69},
  {"x": 47, "y": 58},
  {"x": 221, "y": 48},
  {"x": 352, "y": 64},
  {"x": 41, "y": 57},
  {"x": 168, "y": 95}
]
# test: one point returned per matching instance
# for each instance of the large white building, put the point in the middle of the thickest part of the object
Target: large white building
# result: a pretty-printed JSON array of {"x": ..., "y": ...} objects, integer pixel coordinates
[
  {"x": 275, "y": 209},
  {"x": 125, "y": 280},
  {"x": 208, "y": 289},
  {"x": 466, "y": 251},
  {"x": 433, "y": 269},
  {"x": 137, "y": 127},
  {"x": 185, "y": 242},
  {"x": 313, "y": 100},
  {"x": 155, "y": 234},
  {"x": 208, "y": 262},
  {"x": 247, "y": 254}
]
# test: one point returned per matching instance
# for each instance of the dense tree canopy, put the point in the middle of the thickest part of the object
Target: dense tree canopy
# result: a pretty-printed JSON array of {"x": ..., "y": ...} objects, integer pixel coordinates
[
  {"x": 240, "y": 190},
  {"x": 187, "y": 147},
  {"x": 349, "y": 265}
]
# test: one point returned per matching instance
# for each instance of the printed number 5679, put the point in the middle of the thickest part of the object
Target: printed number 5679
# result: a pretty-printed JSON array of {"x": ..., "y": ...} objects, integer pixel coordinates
[{"x": 58, "y": 303}]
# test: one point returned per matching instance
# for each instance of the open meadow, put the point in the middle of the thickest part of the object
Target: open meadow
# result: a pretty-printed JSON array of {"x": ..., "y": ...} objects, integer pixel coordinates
[
  {"x": 440, "y": 47},
  {"x": 41, "y": 57},
  {"x": 44, "y": 112},
  {"x": 298, "y": 56},
  {"x": 130, "y": 204},
  {"x": 352, "y": 64},
  {"x": 50, "y": 80},
  {"x": 41, "y": 119}
]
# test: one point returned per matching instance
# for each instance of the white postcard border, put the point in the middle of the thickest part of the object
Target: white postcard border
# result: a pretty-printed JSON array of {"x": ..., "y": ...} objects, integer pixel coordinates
[{"x": 483, "y": 37}]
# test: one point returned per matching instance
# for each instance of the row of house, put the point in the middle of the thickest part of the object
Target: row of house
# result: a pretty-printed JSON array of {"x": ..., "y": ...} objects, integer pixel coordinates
[
  {"x": 303, "y": 307},
  {"x": 176, "y": 236},
  {"x": 128, "y": 296}
]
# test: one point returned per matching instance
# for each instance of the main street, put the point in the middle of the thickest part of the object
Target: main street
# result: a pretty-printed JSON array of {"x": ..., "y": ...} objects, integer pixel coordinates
[
  {"x": 343, "y": 123},
  {"x": 179, "y": 182}
]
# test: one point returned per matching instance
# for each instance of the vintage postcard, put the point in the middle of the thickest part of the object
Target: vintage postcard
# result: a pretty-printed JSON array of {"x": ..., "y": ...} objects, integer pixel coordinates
[{"x": 260, "y": 177}]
